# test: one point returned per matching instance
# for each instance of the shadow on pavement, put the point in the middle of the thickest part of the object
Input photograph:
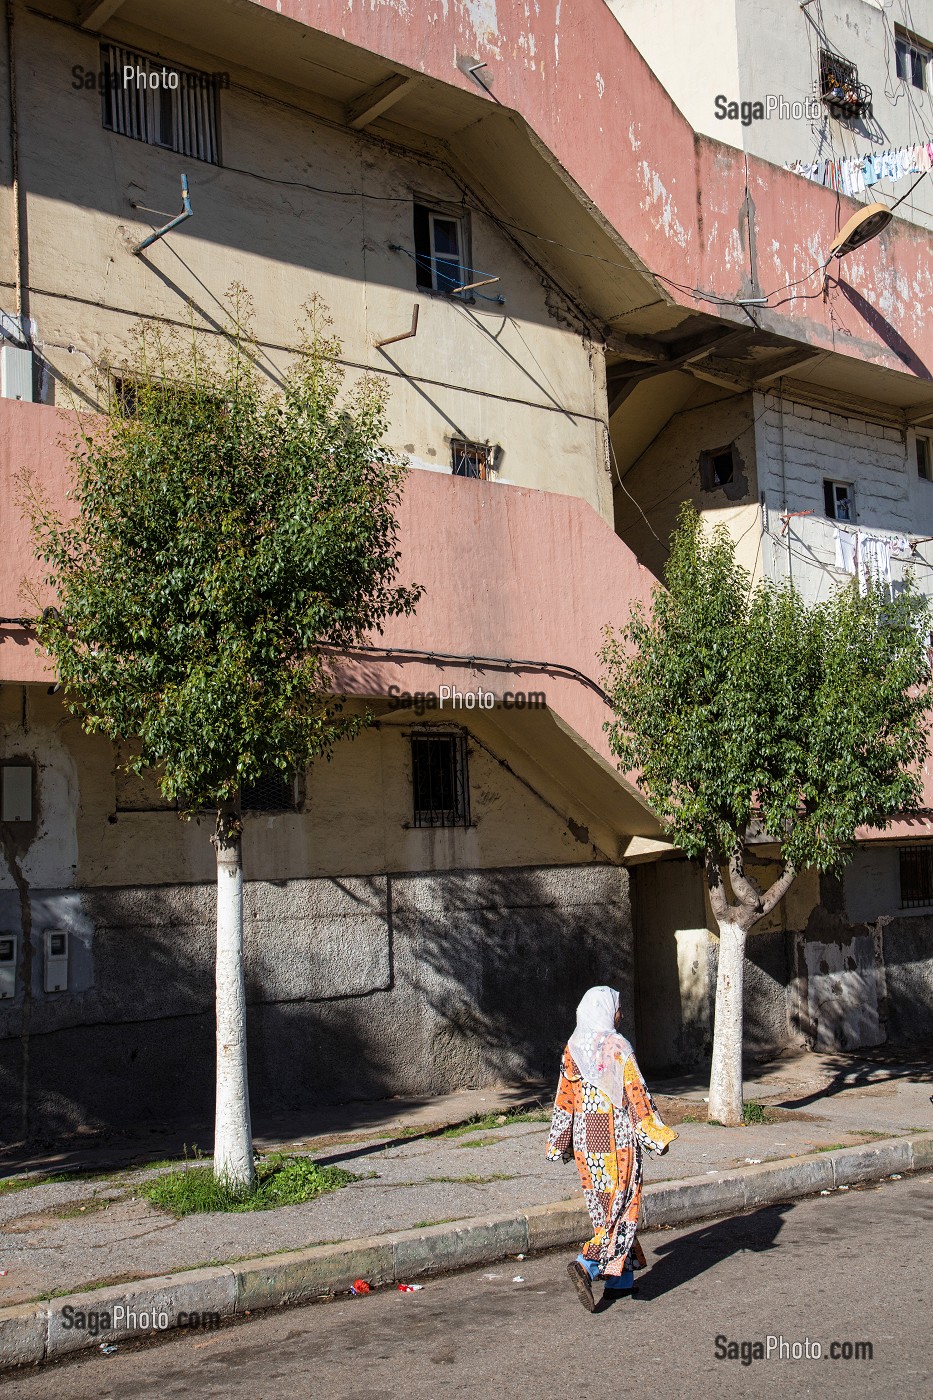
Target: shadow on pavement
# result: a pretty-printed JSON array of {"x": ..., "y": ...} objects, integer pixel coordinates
[{"x": 684, "y": 1259}]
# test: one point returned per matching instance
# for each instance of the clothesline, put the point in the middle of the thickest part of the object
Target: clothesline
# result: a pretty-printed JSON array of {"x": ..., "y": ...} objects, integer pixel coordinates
[
  {"x": 869, "y": 556},
  {"x": 854, "y": 174}
]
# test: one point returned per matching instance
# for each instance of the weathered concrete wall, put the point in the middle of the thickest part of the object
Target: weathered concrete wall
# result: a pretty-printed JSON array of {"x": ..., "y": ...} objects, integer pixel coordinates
[
  {"x": 799, "y": 448},
  {"x": 668, "y": 473},
  {"x": 361, "y": 987},
  {"x": 748, "y": 49},
  {"x": 87, "y": 192}
]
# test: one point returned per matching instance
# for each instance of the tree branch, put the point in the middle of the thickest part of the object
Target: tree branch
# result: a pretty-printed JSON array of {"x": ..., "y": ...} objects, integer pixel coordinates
[
  {"x": 779, "y": 889},
  {"x": 746, "y": 890},
  {"x": 717, "y": 893}
]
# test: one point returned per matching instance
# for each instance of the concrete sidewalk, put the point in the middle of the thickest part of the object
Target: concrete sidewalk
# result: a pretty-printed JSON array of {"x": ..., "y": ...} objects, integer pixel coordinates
[
  {"x": 448, "y": 1196},
  {"x": 418, "y": 1169}
]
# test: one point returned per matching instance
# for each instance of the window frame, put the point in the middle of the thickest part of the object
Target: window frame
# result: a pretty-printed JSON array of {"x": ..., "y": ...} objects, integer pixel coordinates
[
  {"x": 912, "y": 48},
  {"x": 433, "y": 818},
  {"x": 465, "y": 446},
  {"x": 425, "y": 212},
  {"x": 829, "y": 485}
]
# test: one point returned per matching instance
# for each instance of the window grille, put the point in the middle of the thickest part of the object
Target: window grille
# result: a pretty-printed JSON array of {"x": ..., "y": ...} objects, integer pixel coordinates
[
  {"x": 181, "y": 118},
  {"x": 916, "y": 876},
  {"x": 439, "y": 780},
  {"x": 470, "y": 458},
  {"x": 273, "y": 792},
  {"x": 840, "y": 88}
]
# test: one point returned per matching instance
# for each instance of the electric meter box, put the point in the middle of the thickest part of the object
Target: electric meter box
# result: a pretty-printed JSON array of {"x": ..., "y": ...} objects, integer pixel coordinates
[
  {"x": 9, "y": 951},
  {"x": 56, "y": 960}
]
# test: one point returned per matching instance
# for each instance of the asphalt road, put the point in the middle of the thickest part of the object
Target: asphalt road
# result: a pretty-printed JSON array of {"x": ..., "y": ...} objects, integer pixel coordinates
[{"x": 848, "y": 1268}]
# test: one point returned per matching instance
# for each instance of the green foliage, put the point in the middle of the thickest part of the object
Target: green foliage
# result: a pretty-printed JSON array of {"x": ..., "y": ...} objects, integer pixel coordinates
[
  {"x": 280, "y": 1181},
  {"x": 734, "y": 703},
  {"x": 225, "y": 533}
]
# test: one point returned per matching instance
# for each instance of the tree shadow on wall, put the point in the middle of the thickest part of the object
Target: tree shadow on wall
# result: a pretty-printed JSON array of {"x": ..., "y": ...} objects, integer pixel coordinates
[{"x": 486, "y": 969}]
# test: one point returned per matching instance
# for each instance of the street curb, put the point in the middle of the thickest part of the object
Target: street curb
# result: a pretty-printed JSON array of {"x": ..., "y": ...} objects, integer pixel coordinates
[{"x": 35, "y": 1332}]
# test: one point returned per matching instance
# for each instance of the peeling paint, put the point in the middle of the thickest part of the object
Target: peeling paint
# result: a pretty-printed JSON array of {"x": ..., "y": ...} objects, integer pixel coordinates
[
  {"x": 600, "y": 84},
  {"x": 484, "y": 20}
]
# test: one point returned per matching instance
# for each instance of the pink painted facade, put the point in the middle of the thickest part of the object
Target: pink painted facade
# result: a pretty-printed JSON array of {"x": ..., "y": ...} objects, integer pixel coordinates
[
  {"x": 695, "y": 212},
  {"x": 510, "y": 574}
]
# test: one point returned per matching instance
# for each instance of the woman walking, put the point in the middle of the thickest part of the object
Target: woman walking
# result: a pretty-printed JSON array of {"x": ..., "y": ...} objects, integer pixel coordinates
[{"x": 603, "y": 1118}]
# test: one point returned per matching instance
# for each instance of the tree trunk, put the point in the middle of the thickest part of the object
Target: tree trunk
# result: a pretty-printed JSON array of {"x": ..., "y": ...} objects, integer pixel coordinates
[
  {"x": 233, "y": 1137},
  {"x": 725, "y": 1088}
]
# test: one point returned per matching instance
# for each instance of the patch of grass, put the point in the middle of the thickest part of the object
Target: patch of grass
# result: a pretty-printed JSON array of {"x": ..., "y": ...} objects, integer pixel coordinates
[
  {"x": 280, "y": 1181},
  {"x": 483, "y": 1122},
  {"x": 755, "y": 1113},
  {"x": 689, "y": 1119},
  {"x": 479, "y": 1142},
  {"x": 25, "y": 1183},
  {"x": 833, "y": 1147},
  {"x": 426, "y": 1224}
]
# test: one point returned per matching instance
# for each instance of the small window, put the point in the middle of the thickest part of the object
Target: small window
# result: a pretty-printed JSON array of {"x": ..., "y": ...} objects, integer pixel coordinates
[
  {"x": 924, "y": 458},
  {"x": 912, "y": 60},
  {"x": 916, "y": 876},
  {"x": 839, "y": 499},
  {"x": 439, "y": 780},
  {"x": 440, "y": 244},
  {"x": 470, "y": 458},
  {"x": 164, "y": 105},
  {"x": 717, "y": 468},
  {"x": 273, "y": 792}
]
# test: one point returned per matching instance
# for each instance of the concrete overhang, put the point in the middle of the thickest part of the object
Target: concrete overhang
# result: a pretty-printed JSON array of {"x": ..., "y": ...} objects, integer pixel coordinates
[{"x": 565, "y": 136}]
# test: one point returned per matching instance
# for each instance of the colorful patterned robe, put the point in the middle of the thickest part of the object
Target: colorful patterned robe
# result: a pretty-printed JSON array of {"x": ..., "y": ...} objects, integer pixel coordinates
[{"x": 606, "y": 1143}]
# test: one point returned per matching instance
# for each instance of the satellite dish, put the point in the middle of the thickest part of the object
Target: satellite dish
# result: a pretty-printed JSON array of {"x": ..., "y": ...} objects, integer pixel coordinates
[{"x": 864, "y": 225}]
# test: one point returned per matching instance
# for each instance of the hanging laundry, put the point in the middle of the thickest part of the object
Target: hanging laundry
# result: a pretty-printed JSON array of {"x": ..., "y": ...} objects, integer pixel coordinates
[
  {"x": 853, "y": 174},
  {"x": 846, "y": 550},
  {"x": 901, "y": 548},
  {"x": 874, "y": 563}
]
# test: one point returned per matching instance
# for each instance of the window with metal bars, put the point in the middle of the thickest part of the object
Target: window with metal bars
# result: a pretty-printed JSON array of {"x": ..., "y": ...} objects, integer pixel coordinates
[
  {"x": 440, "y": 781},
  {"x": 916, "y": 876},
  {"x": 470, "y": 458},
  {"x": 273, "y": 792},
  {"x": 162, "y": 104}
]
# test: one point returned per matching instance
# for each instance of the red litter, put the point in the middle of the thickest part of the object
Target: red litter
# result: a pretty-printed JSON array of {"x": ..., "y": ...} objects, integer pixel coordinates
[
  {"x": 360, "y": 1286},
  {"x": 410, "y": 1287}
]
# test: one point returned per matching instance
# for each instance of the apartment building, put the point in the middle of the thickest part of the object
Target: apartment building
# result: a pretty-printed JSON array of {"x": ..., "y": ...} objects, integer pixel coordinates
[{"x": 563, "y": 283}]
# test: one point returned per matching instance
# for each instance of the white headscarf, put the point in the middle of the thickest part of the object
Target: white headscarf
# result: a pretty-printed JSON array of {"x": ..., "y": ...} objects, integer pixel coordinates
[{"x": 598, "y": 1051}]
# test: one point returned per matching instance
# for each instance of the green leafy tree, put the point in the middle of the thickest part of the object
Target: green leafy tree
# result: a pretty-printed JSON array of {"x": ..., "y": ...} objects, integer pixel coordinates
[
  {"x": 743, "y": 711},
  {"x": 228, "y": 539}
]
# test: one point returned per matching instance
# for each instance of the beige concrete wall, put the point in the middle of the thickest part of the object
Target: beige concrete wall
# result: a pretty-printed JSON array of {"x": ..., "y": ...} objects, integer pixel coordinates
[
  {"x": 667, "y": 473},
  {"x": 747, "y": 50},
  {"x": 355, "y": 818},
  {"x": 521, "y": 375}
]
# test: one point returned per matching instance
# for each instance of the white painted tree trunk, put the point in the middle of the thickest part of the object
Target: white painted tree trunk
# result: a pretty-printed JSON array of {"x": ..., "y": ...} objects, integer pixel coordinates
[
  {"x": 725, "y": 1088},
  {"x": 233, "y": 1136}
]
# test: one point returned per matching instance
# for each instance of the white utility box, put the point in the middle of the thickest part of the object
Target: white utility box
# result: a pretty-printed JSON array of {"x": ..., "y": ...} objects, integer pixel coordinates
[
  {"x": 9, "y": 951},
  {"x": 15, "y": 373},
  {"x": 56, "y": 960}
]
